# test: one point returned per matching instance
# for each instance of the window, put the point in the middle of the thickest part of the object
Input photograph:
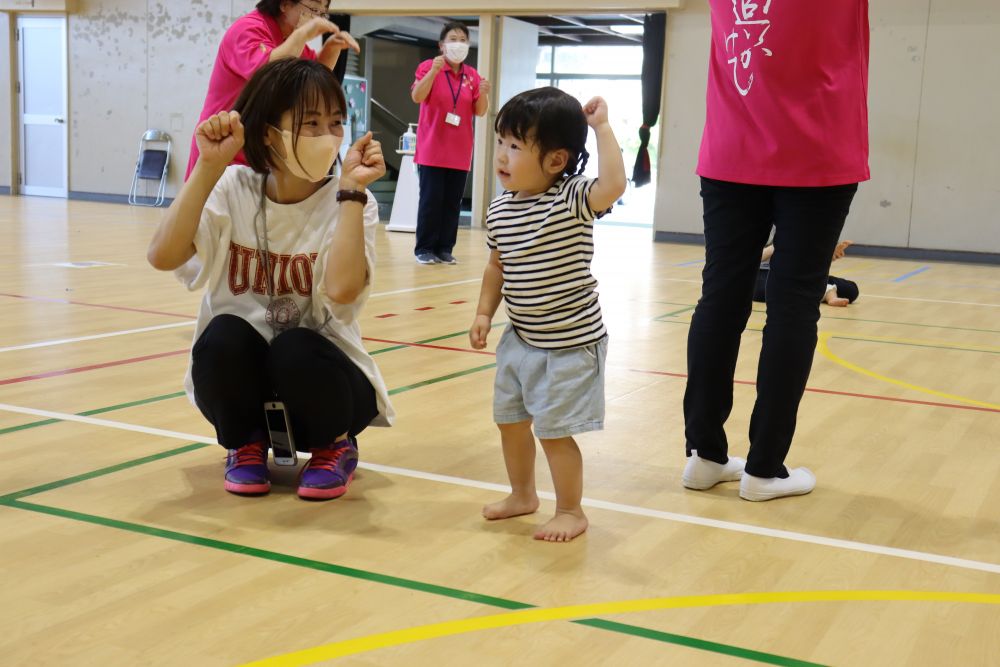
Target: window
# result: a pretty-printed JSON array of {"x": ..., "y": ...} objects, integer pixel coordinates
[{"x": 614, "y": 73}]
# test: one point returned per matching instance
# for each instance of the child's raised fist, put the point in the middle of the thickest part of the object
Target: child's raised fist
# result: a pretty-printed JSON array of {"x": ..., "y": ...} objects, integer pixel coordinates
[{"x": 596, "y": 111}]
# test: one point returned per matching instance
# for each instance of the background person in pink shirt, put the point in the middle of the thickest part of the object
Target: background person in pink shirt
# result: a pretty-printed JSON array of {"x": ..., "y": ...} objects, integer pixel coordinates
[
  {"x": 785, "y": 144},
  {"x": 275, "y": 29},
  {"x": 449, "y": 93}
]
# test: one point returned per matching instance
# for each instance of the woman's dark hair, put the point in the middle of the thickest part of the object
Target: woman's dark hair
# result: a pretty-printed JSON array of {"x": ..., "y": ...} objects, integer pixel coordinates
[
  {"x": 453, "y": 25},
  {"x": 549, "y": 118},
  {"x": 288, "y": 84},
  {"x": 273, "y": 7}
]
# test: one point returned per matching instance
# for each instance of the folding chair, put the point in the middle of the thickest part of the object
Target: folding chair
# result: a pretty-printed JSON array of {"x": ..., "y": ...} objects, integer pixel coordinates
[{"x": 151, "y": 165}]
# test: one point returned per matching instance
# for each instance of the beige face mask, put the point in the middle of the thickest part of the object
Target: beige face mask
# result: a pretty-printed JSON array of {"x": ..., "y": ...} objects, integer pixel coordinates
[{"x": 315, "y": 155}]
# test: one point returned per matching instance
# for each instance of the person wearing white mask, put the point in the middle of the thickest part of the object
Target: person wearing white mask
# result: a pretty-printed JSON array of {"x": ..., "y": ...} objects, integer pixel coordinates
[
  {"x": 275, "y": 29},
  {"x": 450, "y": 94},
  {"x": 286, "y": 255}
]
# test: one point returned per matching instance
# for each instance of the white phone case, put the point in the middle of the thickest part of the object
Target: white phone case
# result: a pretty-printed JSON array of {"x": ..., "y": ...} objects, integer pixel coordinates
[{"x": 279, "y": 430}]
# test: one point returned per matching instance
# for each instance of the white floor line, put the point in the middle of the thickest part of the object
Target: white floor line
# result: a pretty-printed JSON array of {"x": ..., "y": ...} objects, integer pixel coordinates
[
  {"x": 425, "y": 287},
  {"x": 710, "y": 523},
  {"x": 957, "y": 303},
  {"x": 847, "y": 545},
  {"x": 112, "y": 334},
  {"x": 122, "y": 426}
]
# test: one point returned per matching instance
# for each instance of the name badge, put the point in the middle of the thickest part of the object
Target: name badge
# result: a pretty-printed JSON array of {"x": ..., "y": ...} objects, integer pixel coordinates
[{"x": 453, "y": 119}]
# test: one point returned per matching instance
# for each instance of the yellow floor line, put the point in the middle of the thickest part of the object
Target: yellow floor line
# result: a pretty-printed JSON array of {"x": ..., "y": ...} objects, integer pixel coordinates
[
  {"x": 602, "y": 609},
  {"x": 823, "y": 348}
]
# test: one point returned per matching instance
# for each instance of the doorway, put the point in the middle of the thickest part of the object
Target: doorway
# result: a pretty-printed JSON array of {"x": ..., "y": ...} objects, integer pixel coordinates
[{"x": 42, "y": 108}]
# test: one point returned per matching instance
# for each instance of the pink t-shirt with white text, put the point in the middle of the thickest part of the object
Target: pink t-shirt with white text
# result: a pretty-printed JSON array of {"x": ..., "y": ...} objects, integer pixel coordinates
[
  {"x": 440, "y": 144},
  {"x": 245, "y": 48},
  {"x": 787, "y": 97}
]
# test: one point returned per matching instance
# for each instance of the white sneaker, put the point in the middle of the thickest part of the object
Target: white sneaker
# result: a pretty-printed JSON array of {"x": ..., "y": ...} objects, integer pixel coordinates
[
  {"x": 701, "y": 474},
  {"x": 799, "y": 482}
]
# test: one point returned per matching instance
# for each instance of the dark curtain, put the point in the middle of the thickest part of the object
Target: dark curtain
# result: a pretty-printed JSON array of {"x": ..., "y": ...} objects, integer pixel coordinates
[
  {"x": 343, "y": 22},
  {"x": 653, "y": 36}
]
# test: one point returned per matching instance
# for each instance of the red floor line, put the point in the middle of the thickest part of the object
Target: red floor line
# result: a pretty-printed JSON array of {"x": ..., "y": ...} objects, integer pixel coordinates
[
  {"x": 954, "y": 406},
  {"x": 92, "y": 367},
  {"x": 96, "y": 305},
  {"x": 160, "y": 355},
  {"x": 433, "y": 347},
  {"x": 122, "y": 362}
]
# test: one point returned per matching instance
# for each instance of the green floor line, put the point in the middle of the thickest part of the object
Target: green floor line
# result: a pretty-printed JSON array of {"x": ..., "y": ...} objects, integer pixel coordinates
[
  {"x": 430, "y": 340},
  {"x": 14, "y": 500},
  {"x": 863, "y": 340},
  {"x": 392, "y": 392},
  {"x": 927, "y": 345},
  {"x": 264, "y": 554},
  {"x": 21, "y": 427},
  {"x": 101, "y": 472},
  {"x": 452, "y": 376},
  {"x": 676, "y": 312},
  {"x": 383, "y": 350},
  {"x": 691, "y": 642},
  {"x": 91, "y": 413},
  {"x": 122, "y": 406},
  {"x": 389, "y": 580},
  {"x": 843, "y": 319}
]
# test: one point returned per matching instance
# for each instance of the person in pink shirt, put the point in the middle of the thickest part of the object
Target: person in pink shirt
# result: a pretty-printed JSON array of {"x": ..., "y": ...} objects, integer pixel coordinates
[
  {"x": 275, "y": 29},
  {"x": 785, "y": 144},
  {"x": 449, "y": 93}
]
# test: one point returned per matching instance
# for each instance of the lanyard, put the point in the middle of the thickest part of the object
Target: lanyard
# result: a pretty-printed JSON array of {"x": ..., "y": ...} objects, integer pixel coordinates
[{"x": 455, "y": 94}]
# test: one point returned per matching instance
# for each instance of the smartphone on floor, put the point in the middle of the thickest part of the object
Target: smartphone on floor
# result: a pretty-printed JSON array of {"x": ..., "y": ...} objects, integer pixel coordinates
[{"x": 279, "y": 430}]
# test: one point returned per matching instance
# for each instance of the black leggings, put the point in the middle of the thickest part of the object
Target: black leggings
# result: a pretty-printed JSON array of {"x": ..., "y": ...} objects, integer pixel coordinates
[
  {"x": 235, "y": 372},
  {"x": 738, "y": 219},
  {"x": 847, "y": 289},
  {"x": 440, "y": 205}
]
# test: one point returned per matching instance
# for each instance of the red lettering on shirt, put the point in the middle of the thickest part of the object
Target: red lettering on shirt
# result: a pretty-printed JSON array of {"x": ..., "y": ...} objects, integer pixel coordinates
[
  {"x": 239, "y": 268},
  {"x": 289, "y": 273}
]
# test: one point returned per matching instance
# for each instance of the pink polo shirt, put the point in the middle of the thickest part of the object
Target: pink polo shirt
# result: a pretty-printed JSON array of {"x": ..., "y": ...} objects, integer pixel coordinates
[
  {"x": 245, "y": 48},
  {"x": 787, "y": 93},
  {"x": 438, "y": 143}
]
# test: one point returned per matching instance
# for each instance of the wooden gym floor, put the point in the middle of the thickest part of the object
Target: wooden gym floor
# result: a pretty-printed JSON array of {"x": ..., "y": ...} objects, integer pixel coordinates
[{"x": 118, "y": 545}]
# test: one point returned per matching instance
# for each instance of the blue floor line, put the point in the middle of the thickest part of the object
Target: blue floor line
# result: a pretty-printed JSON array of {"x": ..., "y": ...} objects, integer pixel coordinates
[{"x": 905, "y": 276}]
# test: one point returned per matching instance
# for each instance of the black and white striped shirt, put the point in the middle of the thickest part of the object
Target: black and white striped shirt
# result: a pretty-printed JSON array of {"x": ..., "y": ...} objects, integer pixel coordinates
[{"x": 546, "y": 244}]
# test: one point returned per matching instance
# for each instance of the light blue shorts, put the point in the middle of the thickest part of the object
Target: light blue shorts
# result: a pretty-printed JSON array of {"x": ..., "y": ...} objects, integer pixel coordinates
[{"x": 561, "y": 391}]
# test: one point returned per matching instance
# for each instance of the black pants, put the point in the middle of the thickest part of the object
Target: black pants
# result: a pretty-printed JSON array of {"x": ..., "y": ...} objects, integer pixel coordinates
[
  {"x": 847, "y": 289},
  {"x": 738, "y": 220},
  {"x": 235, "y": 371},
  {"x": 441, "y": 192}
]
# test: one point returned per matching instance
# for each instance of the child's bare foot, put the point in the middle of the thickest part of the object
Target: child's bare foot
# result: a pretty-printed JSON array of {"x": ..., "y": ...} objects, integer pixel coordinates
[
  {"x": 512, "y": 505},
  {"x": 831, "y": 298},
  {"x": 563, "y": 527}
]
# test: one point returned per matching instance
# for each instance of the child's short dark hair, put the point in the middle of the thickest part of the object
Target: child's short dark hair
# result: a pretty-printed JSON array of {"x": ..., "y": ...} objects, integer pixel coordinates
[
  {"x": 453, "y": 25},
  {"x": 549, "y": 118},
  {"x": 287, "y": 84}
]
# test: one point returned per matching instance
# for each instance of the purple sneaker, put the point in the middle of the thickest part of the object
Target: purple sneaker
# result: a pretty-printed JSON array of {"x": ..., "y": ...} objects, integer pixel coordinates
[
  {"x": 329, "y": 471},
  {"x": 246, "y": 470}
]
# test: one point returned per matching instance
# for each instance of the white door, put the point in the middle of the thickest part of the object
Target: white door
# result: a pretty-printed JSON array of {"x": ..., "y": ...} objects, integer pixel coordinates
[{"x": 41, "y": 57}]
